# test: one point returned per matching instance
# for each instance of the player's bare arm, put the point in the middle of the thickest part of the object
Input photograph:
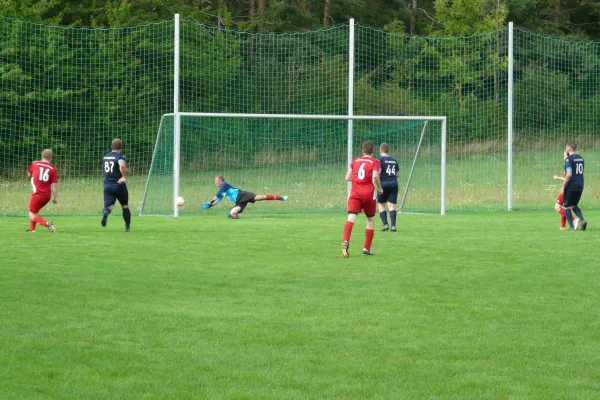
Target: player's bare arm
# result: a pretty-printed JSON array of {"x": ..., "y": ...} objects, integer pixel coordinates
[
  {"x": 566, "y": 180},
  {"x": 377, "y": 182},
  {"x": 558, "y": 178},
  {"x": 123, "y": 170},
  {"x": 348, "y": 177},
  {"x": 54, "y": 190}
]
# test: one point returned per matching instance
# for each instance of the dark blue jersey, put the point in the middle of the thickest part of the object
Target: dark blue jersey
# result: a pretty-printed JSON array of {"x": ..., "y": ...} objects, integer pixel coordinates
[
  {"x": 110, "y": 165},
  {"x": 574, "y": 163},
  {"x": 389, "y": 168}
]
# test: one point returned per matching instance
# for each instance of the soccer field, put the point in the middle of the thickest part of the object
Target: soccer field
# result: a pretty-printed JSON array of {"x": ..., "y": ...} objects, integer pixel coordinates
[{"x": 470, "y": 305}]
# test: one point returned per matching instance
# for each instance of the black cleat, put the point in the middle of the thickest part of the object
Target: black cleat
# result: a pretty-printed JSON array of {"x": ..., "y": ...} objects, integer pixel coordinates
[
  {"x": 230, "y": 216},
  {"x": 584, "y": 225},
  {"x": 104, "y": 218},
  {"x": 368, "y": 252},
  {"x": 393, "y": 229},
  {"x": 126, "y": 229},
  {"x": 51, "y": 227},
  {"x": 385, "y": 228},
  {"x": 345, "y": 249}
]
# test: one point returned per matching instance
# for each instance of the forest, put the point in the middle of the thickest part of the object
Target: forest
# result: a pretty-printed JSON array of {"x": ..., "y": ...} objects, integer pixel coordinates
[
  {"x": 576, "y": 19},
  {"x": 66, "y": 86}
]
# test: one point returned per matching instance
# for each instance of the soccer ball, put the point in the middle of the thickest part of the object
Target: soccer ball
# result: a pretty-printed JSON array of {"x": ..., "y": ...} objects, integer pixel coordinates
[{"x": 179, "y": 201}]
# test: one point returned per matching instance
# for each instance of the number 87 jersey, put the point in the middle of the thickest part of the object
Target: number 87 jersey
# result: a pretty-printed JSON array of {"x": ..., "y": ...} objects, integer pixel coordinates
[
  {"x": 362, "y": 176},
  {"x": 110, "y": 165}
]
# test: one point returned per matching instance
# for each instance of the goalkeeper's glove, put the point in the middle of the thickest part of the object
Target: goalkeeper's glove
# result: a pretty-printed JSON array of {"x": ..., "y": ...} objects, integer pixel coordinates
[{"x": 206, "y": 205}]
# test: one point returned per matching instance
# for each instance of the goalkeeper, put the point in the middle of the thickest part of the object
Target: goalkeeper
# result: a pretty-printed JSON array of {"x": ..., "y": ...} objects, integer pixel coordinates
[{"x": 241, "y": 198}]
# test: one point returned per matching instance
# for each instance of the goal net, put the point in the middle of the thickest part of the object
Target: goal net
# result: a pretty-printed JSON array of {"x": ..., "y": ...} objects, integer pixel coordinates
[{"x": 302, "y": 156}]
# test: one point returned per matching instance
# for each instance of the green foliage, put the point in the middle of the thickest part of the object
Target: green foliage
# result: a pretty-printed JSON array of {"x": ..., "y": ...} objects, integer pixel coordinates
[{"x": 464, "y": 17}]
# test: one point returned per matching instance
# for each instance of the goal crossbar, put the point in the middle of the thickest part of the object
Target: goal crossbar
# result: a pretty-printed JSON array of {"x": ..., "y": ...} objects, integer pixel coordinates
[{"x": 312, "y": 116}]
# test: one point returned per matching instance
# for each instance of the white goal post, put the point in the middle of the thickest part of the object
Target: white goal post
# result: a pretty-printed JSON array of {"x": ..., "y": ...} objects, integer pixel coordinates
[{"x": 177, "y": 140}]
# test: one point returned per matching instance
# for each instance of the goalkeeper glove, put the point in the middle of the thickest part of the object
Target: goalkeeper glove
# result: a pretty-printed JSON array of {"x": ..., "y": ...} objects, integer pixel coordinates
[{"x": 206, "y": 205}]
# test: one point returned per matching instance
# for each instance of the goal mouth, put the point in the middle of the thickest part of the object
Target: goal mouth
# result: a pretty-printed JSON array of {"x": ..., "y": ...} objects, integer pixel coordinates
[{"x": 302, "y": 156}]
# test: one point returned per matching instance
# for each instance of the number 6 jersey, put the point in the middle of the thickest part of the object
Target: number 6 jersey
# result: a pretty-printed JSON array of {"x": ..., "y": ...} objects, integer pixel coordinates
[{"x": 362, "y": 176}]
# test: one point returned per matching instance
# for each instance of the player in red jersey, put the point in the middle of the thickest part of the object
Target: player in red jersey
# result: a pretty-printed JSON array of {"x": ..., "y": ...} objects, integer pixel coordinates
[
  {"x": 44, "y": 179},
  {"x": 558, "y": 206},
  {"x": 364, "y": 175}
]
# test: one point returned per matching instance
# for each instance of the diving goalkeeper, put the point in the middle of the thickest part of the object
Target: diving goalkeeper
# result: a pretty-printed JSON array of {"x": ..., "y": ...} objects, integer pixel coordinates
[{"x": 241, "y": 198}]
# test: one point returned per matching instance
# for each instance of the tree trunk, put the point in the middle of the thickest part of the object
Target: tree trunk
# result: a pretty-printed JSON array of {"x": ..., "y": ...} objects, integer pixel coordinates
[
  {"x": 262, "y": 8},
  {"x": 252, "y": 10},
  {"x": 413, "y": 16},
  {"x": 327, "y": 13}
]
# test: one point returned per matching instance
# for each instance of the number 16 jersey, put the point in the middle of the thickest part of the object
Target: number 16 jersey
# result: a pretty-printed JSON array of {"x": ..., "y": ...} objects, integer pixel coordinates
[{"x": 43, "y": 175}]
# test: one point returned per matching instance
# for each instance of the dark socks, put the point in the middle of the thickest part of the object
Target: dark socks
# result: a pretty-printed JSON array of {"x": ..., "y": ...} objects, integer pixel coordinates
[
  {"x": 383, "y": 216},
  {"x": 127, "y": 217},
  {"x": 569, "y": 216},
  {"x": 393, "y": 217},
  {"x": 579, "y": 214}
]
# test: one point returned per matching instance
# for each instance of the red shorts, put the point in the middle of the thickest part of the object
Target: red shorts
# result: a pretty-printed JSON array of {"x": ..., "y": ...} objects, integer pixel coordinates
[
  {"x": 358, "y": 204},
  {"x": 37, "y": 202},
  {"x": 560, "y": 200}
]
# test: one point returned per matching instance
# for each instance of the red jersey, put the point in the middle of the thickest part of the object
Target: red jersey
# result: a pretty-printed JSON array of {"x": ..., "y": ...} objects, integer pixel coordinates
[
  {"x": 362, "y": 176},
  {"x": 43, "y": 174}
]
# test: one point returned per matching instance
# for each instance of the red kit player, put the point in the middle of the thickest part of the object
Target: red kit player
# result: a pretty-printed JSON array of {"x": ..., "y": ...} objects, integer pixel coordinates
[
  {"x": 364, "y": 175},
  {"x": 44, "y": 179}
]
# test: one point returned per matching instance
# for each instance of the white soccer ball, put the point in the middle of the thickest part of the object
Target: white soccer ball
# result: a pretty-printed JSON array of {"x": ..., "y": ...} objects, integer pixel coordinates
[{"x": 179, "y": 201}]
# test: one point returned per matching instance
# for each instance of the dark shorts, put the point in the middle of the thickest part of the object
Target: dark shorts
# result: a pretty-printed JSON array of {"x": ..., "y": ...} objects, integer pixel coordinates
[
  {"x": 389, "y": 195},
  {"x": 243, "y": 199},
  {"x": 37, "y": 202},
  {"x": 112, "y": 193},
  {"x": 572, "y": 197}
]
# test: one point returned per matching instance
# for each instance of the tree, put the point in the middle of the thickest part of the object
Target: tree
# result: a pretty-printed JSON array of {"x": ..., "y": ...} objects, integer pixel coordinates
[
  {"x": 413, "y": 16},
  {"x": 465, "y": 17},
  {"x": 327, "y": 13}
]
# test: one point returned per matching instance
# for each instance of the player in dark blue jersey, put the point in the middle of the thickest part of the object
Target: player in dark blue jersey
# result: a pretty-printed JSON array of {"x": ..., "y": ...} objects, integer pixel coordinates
[
  {"x": 572, "y": 186},
  {"x": 241, "y": 198},
  {"x": 115, "y": 183},
  {"x": 389, "y": 173}
]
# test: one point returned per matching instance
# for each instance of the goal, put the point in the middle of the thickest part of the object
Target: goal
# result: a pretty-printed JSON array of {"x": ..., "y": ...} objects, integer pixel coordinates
[{"x": 302, "y": 156}]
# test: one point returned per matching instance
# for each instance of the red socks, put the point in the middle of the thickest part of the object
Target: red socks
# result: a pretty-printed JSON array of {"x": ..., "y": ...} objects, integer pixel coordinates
[
  {"x": 348, "y": 231},
  {"x": 273, "y": 197},
  {"x": 41, "y": 221},
  {"x": 32, "y": 226},
  {"x": 563, "y": 218},
  {"x": 369, "y": 234}
]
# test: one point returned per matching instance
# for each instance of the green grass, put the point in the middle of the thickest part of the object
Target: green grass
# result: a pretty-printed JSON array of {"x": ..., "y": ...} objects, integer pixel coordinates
[
  {"x": 473, "y": 182},
  {"x": 474, "y": 306}
]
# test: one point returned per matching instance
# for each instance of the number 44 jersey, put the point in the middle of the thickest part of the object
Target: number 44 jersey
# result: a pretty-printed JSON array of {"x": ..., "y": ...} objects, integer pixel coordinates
[{"x": 43, "y": 175}]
